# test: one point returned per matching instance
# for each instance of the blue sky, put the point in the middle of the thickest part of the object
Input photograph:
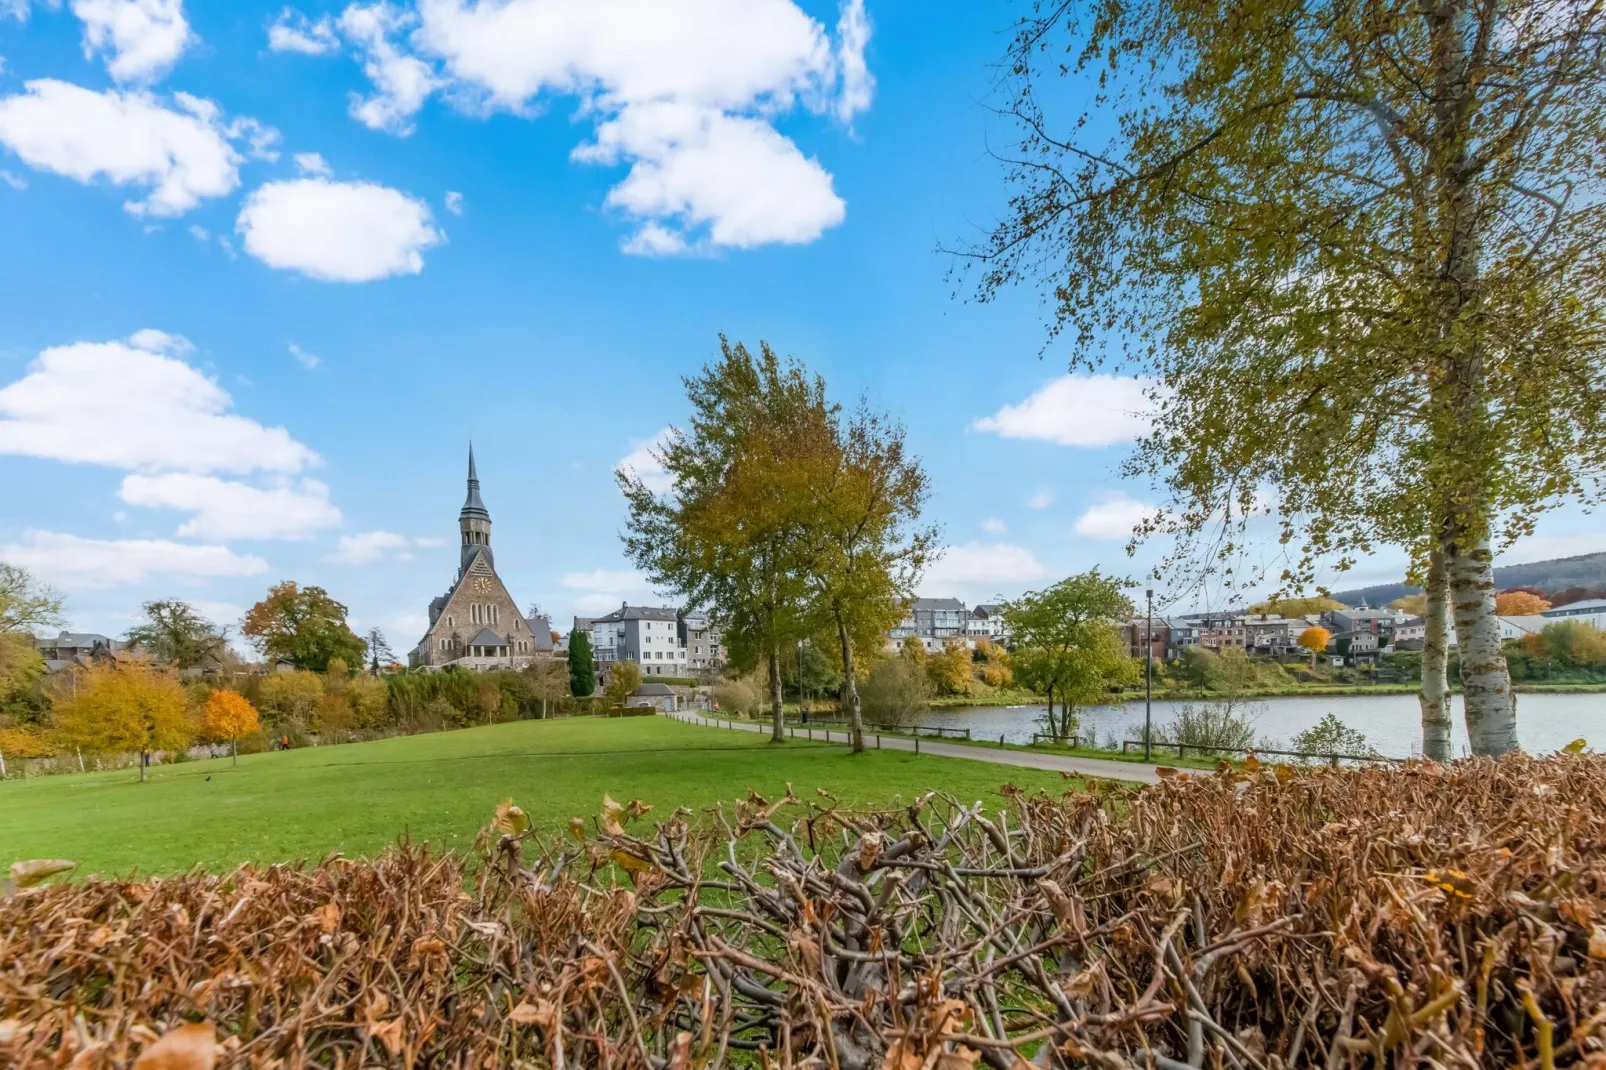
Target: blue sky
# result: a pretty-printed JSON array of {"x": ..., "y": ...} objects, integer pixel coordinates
[{"x": 270, "y": 269}]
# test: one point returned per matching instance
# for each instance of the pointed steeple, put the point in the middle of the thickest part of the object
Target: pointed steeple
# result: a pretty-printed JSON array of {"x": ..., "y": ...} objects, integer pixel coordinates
[{"x": 472, "y": 506}]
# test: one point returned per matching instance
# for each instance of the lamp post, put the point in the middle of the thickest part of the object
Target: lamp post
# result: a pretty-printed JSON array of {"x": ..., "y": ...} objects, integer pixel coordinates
[
  {"x": 801, "y": 710},
  {"x": 1148, "y": 675}
]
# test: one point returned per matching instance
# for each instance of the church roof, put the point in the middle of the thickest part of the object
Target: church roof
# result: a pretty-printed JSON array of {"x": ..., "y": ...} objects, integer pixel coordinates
[
  {"x": 472, "y": 506},
  {"x": 486, "y": 637}
]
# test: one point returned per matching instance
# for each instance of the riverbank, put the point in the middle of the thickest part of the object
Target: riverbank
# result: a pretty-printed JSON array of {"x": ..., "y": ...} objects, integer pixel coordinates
[{"x": 1328, "y": 691}]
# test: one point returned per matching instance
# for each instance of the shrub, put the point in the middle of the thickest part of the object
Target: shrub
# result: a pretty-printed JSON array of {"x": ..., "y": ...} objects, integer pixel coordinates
[
  {"x": 897, "y": 689},
  {"x": 1332, "y": 736},
  {"x": 740, "y": 696},
  {"x": 1211, "y": 727}
]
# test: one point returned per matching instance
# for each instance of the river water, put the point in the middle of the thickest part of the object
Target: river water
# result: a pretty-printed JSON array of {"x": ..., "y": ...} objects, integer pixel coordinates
[{"x": 1392, "y": 723}]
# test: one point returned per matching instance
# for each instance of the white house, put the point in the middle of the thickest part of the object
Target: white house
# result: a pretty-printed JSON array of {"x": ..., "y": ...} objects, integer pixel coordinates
[{"x": 1591, "y": 611}]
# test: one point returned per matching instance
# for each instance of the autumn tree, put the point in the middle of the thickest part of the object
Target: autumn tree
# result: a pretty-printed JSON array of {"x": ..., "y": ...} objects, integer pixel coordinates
[
  {"x": 949, "y": 671},
  {"x": 26, "y": 606},
  {"x": 1296, "y": 607},
  {"x": 1066, "y": 644},
  {"x": 1519, "y": 604},
  {"x": 226, "y": 715},
  {"x": 1356, "y": 251},
  {"x": 1414, "y": 604},
  {"x": 866, "y": 547},
  {"x": 1315, "y": 640},
  {"x": 731, "y": 530},
  {"x": 125, "y": 706},
  {"x": 549, "y": 680},
  {"x": 623, "y": 679},
  {"x": 302, "y": 626},
  {"x": 291, "y": 698},
  {"x": 582, "y": 670},
  {"x": 177, "y": 634}
]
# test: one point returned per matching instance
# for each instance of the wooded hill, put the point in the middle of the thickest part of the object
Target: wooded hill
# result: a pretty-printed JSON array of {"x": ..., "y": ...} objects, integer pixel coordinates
[{"x": 1585, "y": 570}]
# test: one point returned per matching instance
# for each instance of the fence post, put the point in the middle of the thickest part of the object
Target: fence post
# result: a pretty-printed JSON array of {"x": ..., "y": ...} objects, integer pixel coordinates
[
  {"x": 878, "y": 741},
  {"x": 917, "y": 744},
  {"x": 1000, "y": 739}
]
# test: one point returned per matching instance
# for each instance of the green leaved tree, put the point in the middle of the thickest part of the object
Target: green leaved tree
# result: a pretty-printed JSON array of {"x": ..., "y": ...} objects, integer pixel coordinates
[
  {"x": 582, "y": 669},
  {"x": 1066, "y": 644},
  {"x": 1355, "y": 249},
  {"x": 176, "y": 634},
  {"x": 302, "y": 626}
]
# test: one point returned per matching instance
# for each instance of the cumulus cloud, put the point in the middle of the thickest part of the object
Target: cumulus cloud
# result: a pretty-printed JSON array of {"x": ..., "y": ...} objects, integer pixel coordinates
[
  {"x": 136, "y": 405},
  {"x": 337, "y": 231},
  {"x": 1112, "y": 518},
  {"x": 142, "y": 38},
  {"x": 180, "y": 154},
  {"x": 1076, "y": 410},
  {"x": 1041, "y": 500},
  {"x": 371, "y": 547},
  {"x": 641, "y": 463},
  {"x": 978, "y": 564},
  {"x": 224, "y": 509},
  {"x": 454, "y": 202},
  {"x": 993, "y": 526},
  {"x": 294, "y": 32},
  {"x": 684, "y": 93},
  {"x": 76, "y": 564},
  {"x": 309, "y": 361}
]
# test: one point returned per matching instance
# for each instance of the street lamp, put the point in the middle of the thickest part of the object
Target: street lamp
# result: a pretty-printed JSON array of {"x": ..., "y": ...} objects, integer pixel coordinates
[
  {"x": 1148, "y": 676},
  {"x": 801, "y": 709}
]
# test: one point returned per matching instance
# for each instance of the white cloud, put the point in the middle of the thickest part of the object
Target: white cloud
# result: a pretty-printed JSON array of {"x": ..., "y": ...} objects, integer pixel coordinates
[
  {"x": 144, "y": 37},
  {"x": 14, "y": 181},
  {"x": 1112, "y": 518},
  {"x": 371, "y": 547},
  {"x": 981, "y": 564},
  {"x": 700, "y": 169},
  {"x": 312, "y": 163},
  {"x": 135, "y": 405},
  {"x": 410, "y": 624},
  {"x": 75, "y": 563},
  {"x": 1041, "y": 500},
  {"x": 337, "y": 231},
  {"x": 309, "y": 361},
  {"x": 685, "y": 93},
  {"x": 224, "y": 509},
  {"x": 17, "y": 9},
  {"x": 454, "y": 202},
  {"x": 181, "y": 155},
  {"x": 604, "y": 580},
  {"x": 294, "y": 32},
  {"x": 1076, "y": 410},
  {"x": 402, "y": 82},
  {"x": 641, "y": 463},
  {"x": 199, "y": 233},
  {"x": 994, "y": 526},
  {"x": 428, "y": 543},
  {"x": 225, "y": 613}
]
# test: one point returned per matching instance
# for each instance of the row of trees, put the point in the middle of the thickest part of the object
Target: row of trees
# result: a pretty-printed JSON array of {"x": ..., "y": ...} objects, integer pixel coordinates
[
  {"x": 797, "y": 520},
  {"x": 1356, "y": 250}
]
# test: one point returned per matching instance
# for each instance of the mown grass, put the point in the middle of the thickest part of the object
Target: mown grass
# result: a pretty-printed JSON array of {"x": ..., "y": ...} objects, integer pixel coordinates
[{"x": 441, "y": 788}]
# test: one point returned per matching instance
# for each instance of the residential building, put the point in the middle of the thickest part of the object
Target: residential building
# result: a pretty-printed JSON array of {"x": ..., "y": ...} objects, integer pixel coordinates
[
  {"x": 934, "y": 621},
  {"x": 1138, "y": 630},
  {"x": 1517, "y": 627},
  {"x": 1273, "y": 636},
  {"x": 476, "y": 624},
  {"x": 1183, "y": 632},
  {"x": 646, "y": 635},
  {"x": 1412, "y": 629},
  {"x": 700, "y": 638},
  {"x": 987, "y": 622},
  {"x": 76, "y": 648},
  {"x": 1355, "y": 647},
  {"x": 1590, "y": 611},
  {"x": 1226, "y": 632},
  {"x": 1380, "y": 622}
]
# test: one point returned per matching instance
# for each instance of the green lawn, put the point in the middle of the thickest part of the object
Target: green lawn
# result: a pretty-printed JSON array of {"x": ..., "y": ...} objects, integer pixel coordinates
[{"x": 440, "y": 788}]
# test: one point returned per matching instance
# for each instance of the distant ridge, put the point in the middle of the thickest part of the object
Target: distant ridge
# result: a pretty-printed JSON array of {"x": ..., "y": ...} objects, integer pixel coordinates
[{"x": 1585, "y": 570}]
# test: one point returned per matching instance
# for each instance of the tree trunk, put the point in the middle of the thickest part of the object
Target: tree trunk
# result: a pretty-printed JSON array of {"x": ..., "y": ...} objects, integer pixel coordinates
[
  {"x": 777, "y": 720},
  {"x": 144, "y": 757},
  {"x": 850, "y": 689},
  {"x": 1435, "y": 694},
  {"x": 1490, "y": 708},
  {"x": 234, "y": 748}
]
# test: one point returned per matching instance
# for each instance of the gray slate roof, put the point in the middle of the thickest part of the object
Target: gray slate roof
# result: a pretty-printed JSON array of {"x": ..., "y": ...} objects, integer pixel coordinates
[
  {"x": 629, "y": 612},
  {"x": 652, "y": 690},
  {"x": 486, "y": 637},
  {"x": 1588, "y": 605},
  {"x": 939, "y": 603}
]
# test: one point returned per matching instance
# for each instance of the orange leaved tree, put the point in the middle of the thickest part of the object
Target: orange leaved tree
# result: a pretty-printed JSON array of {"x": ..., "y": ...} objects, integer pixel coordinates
[
  {"x": 1520, "y": 604},
  {"x": 127, "y": 706},
  {"x": 1315, "y": 639},
  {"x": 227, "y": 715}
]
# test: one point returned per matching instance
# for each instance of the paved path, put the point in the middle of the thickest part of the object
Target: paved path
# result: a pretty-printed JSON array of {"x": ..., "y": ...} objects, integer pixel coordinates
[{"x": 1064, "y": 763}]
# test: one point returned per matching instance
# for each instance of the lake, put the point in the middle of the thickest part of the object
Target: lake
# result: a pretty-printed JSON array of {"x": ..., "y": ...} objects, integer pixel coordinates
[{"x": 1392, "y": 723}]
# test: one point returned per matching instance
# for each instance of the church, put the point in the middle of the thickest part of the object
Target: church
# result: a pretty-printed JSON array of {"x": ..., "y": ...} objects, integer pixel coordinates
[{"x": 476, "y": 624}]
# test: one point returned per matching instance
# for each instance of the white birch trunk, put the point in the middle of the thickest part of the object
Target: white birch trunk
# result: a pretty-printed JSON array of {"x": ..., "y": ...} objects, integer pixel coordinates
[
  {"x": 1435, "y": 694},
  {"x": 777, "y": 718},
  {"x": 850, "y": 690},
  {"x": 1489, "y": 705}
]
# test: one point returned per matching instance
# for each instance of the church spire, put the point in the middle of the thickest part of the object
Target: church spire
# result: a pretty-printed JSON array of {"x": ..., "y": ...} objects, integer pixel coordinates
[{"x": 474, "y": 521}]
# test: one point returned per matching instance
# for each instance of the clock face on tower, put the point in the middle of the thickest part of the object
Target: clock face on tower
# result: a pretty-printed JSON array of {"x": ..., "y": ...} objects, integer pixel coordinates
[{"x": 482, "y": 585}]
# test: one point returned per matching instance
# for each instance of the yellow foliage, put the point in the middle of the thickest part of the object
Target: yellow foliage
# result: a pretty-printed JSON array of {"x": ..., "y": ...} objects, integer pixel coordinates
[
  {"x": 1315, "y": 639},
  {"x": 25, "y": 743},
  {"x": 1296, "y": 607},
  {"x": 949, "y": 672},
  {"x": 226, "y": 715},
  {"x": 913, "y": 650},
  {"x": 292, "y": 694},
  {"x": 1414, "y": 604},
  {"x": 368, "y": 697},
  {"x": 128, "y": 706},
  {"x": 1519, "y": 604}
]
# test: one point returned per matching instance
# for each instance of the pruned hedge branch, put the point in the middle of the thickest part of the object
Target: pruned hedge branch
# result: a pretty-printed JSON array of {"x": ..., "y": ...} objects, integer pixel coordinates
[{"x": 1430, "y": 916}]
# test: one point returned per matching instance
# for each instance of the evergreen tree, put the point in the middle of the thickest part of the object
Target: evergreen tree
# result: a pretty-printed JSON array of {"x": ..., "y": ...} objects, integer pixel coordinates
[{"x": 582, "y": 670}]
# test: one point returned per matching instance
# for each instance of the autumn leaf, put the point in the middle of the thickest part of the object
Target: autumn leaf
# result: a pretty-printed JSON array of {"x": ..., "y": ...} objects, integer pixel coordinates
[
  {"x": 29, "y": 873},
  {"x": 424, "y": 947},
  {"x": 1165, "y": 771},
  {"x": 542, "y": 1013},
  {"x": 388, "y": 1033},
  {"x": 327, "y": 917},
  {"x": 1597, "y": 943},
  {"x": 1252, "y": 764},
  {"x": 189, "y": 1047},
  {"x": 1283, "y": 772},
  {"x": 611, "y": 813},
  {"x": 1452, "y": 882},
  {"x": 510, "y": 819},
  {"x": 577, "y": 828},
  {"x": 1576, "y": 746}
]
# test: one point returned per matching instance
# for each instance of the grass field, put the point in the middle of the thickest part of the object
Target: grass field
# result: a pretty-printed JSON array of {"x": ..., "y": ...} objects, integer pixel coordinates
[{"x": 441, "y": 788}]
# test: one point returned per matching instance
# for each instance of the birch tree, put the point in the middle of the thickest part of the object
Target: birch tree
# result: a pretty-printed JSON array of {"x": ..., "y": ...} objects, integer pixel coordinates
[{"x": 1355, "y": 249}]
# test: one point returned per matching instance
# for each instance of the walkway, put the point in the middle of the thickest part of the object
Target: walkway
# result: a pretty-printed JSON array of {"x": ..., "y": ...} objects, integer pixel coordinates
[{"x": 1064, "y": 763}]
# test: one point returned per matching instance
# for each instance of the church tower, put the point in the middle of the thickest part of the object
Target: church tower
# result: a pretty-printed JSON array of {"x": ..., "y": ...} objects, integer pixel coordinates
[{"x": 474, "y": 522}]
